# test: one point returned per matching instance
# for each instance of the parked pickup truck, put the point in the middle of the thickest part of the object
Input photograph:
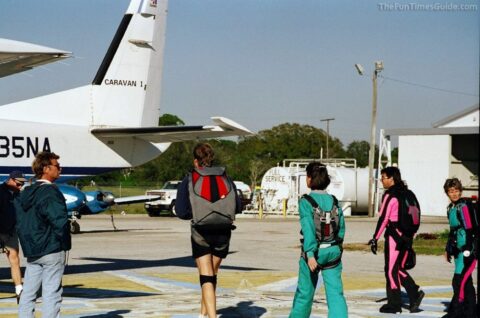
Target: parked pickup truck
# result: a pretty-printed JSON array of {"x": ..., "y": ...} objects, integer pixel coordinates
[{"x": 168, "y": 195}]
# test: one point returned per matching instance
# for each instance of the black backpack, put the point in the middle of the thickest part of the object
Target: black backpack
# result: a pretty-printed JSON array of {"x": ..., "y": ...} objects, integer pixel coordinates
[
  {"x": 472, "y": 206},
  {"x": 409, "y": 213}
]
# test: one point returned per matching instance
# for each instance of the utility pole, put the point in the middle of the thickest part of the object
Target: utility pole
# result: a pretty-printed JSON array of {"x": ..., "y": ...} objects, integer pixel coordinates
[
  {"x": 328, "y": 130},
  {"x": 371, "y": 154}
]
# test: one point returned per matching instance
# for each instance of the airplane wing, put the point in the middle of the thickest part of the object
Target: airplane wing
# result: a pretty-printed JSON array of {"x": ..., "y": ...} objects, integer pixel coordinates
[
  {"x": 136, "y": 199},
  {"x": 16, "y": 56},
  {"x": 224, "y": 128}
]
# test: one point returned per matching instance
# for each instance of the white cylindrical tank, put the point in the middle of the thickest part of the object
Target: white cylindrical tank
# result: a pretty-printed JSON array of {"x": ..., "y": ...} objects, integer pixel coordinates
[
  {"x": 353, "y": 187},
  {"x": 275, "y": 187},
  {"x": 348, "y": 185}
]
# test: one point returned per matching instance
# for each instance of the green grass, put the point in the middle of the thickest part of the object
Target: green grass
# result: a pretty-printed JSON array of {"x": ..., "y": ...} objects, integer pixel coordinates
[
  {"x": 424, "y": 243},
  {"x": 431, "y": 243}
]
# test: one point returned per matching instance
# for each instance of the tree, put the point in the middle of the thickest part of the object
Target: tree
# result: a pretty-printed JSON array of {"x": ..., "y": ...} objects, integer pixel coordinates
[
  {"x": 286, "y": 141},
  {"x": 170, "y": 120},
  {"x": 360, "y": 150}
]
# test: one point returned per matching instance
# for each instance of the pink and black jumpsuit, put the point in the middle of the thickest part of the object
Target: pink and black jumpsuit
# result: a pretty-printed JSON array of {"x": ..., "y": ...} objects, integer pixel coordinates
[{"x": 396, "y": 252}]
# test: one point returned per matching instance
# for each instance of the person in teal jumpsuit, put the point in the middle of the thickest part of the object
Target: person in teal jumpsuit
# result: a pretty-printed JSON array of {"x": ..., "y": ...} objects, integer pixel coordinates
[
  {"x": 461, "y": 247},
  {"x": 319, "y": 255}
]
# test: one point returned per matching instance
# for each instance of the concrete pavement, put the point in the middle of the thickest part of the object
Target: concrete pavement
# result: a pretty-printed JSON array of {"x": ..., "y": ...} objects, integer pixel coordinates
[{"x": 145, "y": 270}]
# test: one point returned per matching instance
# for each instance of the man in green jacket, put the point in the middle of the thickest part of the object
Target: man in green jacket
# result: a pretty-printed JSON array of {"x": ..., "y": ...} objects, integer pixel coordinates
[{"x": 43, "y": 230}]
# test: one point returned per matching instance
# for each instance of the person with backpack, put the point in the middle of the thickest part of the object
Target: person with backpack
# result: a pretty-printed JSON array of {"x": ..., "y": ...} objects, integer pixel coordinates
[
  {"x": 400, "y": 219},
  {"x": 208, "y": 197},
  {"x": 463, "y": 238},
  {"x": 323, "y": 230}
]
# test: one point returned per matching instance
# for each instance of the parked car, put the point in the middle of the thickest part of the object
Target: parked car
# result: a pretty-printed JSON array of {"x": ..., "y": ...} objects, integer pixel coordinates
[
  {"x": 168, "y": 195},
  {"x": 243, "y": 199},
  {"x": 247, "y": 192}
]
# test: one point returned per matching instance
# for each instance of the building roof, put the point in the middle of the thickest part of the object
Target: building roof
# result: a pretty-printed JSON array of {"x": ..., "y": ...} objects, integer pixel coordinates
[
  {"x": 432, "y": 131},
  {"x": 455, "y": 116}
]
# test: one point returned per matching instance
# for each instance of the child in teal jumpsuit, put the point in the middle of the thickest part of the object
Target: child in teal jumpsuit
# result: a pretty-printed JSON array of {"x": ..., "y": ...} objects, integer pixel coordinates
[{"x": 324, "y": 256}]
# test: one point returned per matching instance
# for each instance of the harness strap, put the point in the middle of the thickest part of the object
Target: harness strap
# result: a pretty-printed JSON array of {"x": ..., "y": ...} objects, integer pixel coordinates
[
  {"x": 391, "y": 230},
  {"x": 331, "y": 264}
]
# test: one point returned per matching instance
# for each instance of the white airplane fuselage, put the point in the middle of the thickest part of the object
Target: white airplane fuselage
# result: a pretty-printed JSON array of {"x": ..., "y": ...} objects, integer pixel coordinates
[{"x": 112, "y": 123}]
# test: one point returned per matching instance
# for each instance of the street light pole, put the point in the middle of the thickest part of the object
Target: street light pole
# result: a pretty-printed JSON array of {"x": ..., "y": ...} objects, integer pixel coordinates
[
  {"x": 371, "y": 154},
  {"x": 328, "y": 129}
]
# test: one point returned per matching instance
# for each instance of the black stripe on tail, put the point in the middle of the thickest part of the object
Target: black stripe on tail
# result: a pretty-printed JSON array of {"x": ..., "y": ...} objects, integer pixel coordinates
[{"x": 112, "y": 49}]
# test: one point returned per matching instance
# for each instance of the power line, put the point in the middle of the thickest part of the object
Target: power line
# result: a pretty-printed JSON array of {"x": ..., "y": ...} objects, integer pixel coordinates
[{"x": 426, "y": 86}]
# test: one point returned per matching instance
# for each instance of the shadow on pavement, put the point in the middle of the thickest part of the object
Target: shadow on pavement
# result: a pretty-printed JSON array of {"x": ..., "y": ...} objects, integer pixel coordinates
[
  {"x": 110, "y": 314},
  {"x": 112, "y": 264},
  {"x": 98, "y": 293},
  {"x": 243, "y": 309}
]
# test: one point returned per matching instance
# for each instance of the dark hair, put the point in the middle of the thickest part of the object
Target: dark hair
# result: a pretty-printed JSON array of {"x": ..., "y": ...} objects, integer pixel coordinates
[
  {"x": 452, "y": 183},
  {"x": 203, "y": 152},
  {"x": 318, "y": 174},
  {"x": 394, "y": 172},
  {"x": 42, "y": 159}
]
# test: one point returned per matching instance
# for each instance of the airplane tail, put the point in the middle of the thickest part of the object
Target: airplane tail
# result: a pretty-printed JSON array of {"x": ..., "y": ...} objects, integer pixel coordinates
[{"x": 126, "y": 89}]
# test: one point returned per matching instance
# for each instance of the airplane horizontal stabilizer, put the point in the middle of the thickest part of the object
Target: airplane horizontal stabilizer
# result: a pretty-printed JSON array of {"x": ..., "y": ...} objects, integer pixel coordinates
[
  {"x": 223, "y": 127},
  {"x": 16, "y": 56},
  {"x": 136, "y": 199}
]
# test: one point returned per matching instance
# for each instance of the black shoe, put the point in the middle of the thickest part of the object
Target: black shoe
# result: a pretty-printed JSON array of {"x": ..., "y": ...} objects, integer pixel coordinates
[
  {"x": 414, "y": 307},
  {"x": 390, "y": 309}
]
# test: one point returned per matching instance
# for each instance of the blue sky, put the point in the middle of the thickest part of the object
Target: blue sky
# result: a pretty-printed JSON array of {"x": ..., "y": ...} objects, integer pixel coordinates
[{"x": 267, "y": 62}]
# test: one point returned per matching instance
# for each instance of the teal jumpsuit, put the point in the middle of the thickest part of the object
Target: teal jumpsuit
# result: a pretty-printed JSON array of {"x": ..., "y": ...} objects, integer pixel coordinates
[
  {"x": 332, "y": 277},
  {"x": 461, "y": 227}
]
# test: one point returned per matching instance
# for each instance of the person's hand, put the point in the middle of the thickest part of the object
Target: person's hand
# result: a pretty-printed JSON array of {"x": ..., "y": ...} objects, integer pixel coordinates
[
  {"x": 312, "y": 264},
  {"x": 373, "y": 245},
  {"x": 448, "y": 257}
]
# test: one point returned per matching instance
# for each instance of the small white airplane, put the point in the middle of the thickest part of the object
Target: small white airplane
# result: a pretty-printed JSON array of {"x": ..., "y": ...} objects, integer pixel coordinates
[{"x": 110, "y": 124}]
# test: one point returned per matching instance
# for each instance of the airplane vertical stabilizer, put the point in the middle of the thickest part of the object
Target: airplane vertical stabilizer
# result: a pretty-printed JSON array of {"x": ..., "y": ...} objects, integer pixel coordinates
[{"x": 126, "y": 89}]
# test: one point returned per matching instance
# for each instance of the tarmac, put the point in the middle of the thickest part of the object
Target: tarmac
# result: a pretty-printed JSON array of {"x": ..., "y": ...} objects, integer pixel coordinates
[{"x": 145, "y": 269}]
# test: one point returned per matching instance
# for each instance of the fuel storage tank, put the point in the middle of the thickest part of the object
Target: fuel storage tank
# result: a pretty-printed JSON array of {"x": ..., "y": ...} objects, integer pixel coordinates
[{"x": 285, "y": 185}]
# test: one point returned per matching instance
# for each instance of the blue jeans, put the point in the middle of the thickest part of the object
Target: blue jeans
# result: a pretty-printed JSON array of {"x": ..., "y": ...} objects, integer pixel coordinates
[{"x": 45, "y": 271}]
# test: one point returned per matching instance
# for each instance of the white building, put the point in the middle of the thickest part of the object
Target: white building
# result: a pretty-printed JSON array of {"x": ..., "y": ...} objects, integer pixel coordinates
[{"x": 428, "y": 156}]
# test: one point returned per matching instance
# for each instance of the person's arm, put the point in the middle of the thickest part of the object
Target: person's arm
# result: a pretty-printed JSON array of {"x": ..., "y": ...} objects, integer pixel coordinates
[
  {"x": 183, "y": 207},
  {"x": 238, "y": 201},
  {"x": 308, "y": 228},
  {"x": 341, "y": 221},
  {"x": 391, "y": 205},
  {"x": 56, "y": 213},
  {"x": 388, "y": 205}
]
